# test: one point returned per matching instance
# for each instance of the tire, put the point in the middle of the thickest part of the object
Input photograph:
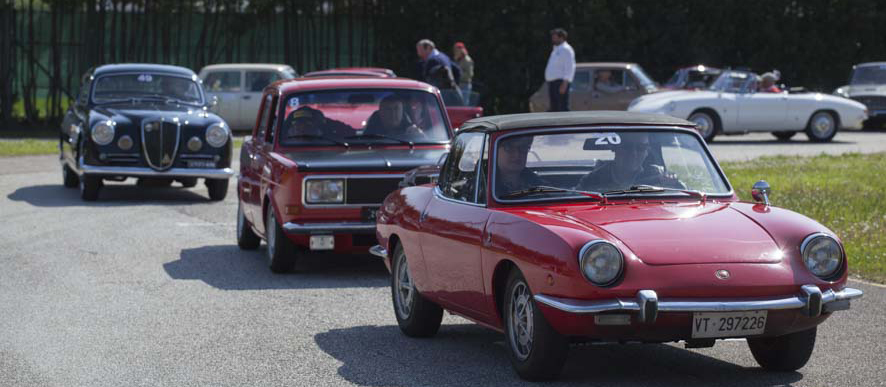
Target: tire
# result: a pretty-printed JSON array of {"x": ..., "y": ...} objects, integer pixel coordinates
[
  {"x": 416, "y": 315},
  {"x": 784, "y": 136},
  {"x": 188, "y": 182},
  {"x": 89, "y": 187},
  {"x": 69, "y": 177},
  {"x": 783, "y": 353},
  {"x": 218, "y": 189},
  {"x": 822, "y": 127},
  {"x": 246, "y": 239},
  {"x": 708, "y": 124},
  {"x": 281, "y": 251},
  {"x": 536, "y": 350}
]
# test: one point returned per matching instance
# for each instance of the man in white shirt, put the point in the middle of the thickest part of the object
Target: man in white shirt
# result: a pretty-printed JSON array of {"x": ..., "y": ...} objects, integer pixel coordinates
[{"x": 559, "y": 71}]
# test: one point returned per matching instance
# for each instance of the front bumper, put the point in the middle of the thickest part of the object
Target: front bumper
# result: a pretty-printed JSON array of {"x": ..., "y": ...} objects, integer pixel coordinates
[
  {"x": 811, "y": 301},
  {"x": 329, "y": 228},
  {"x": 214, "y": 173}
]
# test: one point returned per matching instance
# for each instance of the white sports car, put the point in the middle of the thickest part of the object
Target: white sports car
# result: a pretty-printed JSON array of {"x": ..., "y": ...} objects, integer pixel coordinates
[{"x": 732, "y": 105}]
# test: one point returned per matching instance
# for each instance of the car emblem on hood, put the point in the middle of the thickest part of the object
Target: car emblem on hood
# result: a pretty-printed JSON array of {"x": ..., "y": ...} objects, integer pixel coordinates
[{"x": 722, "y": 274}]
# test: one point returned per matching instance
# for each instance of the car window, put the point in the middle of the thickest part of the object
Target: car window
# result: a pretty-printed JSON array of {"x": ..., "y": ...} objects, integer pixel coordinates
[
  {"x": 257, "y": 80},
  {"x": 458, "y": 178},
  {"x": 222, "y": 81},
  {"x": 114, "y": 87},
  {"x": 83, "y": 97},
  {"x": 581, "y": 81},
  {"x": 261, "y": 131}
]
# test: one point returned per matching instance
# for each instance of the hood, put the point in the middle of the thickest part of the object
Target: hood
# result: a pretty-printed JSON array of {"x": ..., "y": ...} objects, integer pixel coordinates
[
  {"x": 859, "y": 90},
  {"x": 134, "y": 113},
  {"x": 672, "y": 233},
  {"x": 363, "y": 159},
  {"x": 657, "y": 100}
]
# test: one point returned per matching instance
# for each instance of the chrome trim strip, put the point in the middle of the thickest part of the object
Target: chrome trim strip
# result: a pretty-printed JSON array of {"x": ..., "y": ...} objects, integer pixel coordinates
[
  {"x": 178, "y": 136},
  {"x": 695, "y": 305},
  {"x": 220, "y": 173},
  {"x": 345, "y": 177},
  {"x": 379, "y": 251},
  {"x": 325, "y": 228}
]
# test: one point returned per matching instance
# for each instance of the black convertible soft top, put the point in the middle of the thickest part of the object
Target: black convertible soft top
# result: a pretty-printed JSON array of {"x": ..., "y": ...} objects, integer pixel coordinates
[{"x": 564, "y": 119}]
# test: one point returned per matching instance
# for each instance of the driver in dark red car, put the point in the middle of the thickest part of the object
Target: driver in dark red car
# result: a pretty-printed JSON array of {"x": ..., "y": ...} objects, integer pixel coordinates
[
  {"x": 512, "y": 174},
  {"x": 628, "y": 168}
]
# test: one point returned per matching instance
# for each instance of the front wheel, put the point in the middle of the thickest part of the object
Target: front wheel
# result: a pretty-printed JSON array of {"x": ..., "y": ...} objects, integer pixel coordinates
[
  {"x": 281, "y": 251},
  {"x": 416, "y": 315},
  {"x": 70, "y": 178},
  {"x": 706, "y": 125},
  {"x": 246, "y": 239},
  {"x": 783, "y": 353},
  {"x": 536, "y": 350},
  {"x": 784, "y": 136},
  {"x": 89, "y": 187},
  {"x": 822, "y": 127},
  {"x": 218, "y": 189}
]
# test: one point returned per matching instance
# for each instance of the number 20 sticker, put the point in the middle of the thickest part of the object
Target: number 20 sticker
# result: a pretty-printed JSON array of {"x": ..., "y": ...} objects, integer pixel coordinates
[{"x": 606, "y": 138}]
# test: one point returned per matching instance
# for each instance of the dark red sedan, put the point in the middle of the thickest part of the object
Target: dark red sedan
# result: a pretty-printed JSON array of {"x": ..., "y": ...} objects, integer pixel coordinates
[
  {"x": 324, "y": 154},
  {"x": 558, "y": 228}
]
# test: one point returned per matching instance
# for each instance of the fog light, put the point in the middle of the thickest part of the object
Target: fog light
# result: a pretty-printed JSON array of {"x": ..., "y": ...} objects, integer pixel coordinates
[
  {"x": 194, "y": 144},
  {"x": 125, "y": 142},
  {"x": 322, "y": 242},
  {"x": 102, "y": 156}
]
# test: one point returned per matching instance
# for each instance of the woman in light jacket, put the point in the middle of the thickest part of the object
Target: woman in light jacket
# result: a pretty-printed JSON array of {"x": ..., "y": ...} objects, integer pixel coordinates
[{"x": 466, "y": 64}]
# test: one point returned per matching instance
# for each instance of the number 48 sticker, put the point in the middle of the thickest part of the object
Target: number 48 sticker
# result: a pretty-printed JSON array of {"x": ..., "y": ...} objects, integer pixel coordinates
[{"x": 606, "y": 138}]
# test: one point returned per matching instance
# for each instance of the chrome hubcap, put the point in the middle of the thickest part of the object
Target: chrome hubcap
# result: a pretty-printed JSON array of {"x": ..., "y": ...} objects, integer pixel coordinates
[
  {"x": 705, "y": 125},
  {"x": 822, "y": 125},
  {"x": 521, "y": 321},
  {"x": 405, "y": 291}
]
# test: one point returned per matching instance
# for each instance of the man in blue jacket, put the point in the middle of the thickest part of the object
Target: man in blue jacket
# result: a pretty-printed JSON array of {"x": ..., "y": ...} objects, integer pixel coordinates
[{"x": 438, "y": 70}]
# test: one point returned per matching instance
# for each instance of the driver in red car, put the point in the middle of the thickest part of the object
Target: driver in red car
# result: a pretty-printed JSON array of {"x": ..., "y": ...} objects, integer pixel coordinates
[
  {"x": 628, "y": 168},
  {"x": 391, "y": 120},
  {"x": 511, "y": 174}
]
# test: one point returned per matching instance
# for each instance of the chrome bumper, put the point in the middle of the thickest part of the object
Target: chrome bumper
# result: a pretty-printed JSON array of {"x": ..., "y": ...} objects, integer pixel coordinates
[
  {"x": 379, "y": 251},
  {"x": 329, "y": 228},
  {"x": 218, "y": 173},
  {"x": 812, "y": 301}
]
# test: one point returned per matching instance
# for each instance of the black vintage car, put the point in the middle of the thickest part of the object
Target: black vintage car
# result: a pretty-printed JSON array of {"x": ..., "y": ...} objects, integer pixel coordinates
[{"x": 145, "y": 121}]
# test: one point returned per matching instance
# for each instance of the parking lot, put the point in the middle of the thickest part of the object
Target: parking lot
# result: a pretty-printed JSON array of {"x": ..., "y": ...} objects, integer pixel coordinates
[{"x": 147, "y": 287}]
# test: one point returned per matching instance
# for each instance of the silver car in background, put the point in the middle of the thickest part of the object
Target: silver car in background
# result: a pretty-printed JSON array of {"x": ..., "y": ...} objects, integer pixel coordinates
[
  {"x": 867, "y": 84},
  {"x": 237, "y": 88}
]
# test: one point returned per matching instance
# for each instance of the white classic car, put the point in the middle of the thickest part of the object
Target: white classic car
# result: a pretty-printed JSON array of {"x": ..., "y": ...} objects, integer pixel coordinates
[
  {"x": 867, "y": 85},
  {"x": 733, "y": 105},
  {"x": 237, "y": 88}
]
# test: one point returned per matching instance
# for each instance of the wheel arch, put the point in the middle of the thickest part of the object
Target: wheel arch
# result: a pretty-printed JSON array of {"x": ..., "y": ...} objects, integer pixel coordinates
[
  {"x": 393, "y": 241},
  {"x": 718, "y": 121},
  {"x": 833, "y": 112},
  {"x": 499, "y": 281}
]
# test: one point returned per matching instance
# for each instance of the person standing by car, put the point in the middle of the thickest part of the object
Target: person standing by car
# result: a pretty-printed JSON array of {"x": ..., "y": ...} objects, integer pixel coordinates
[
  {"x": 559, "y": 71},
  {"x": 438, "y": 70},
  {"x": 466, "y": 65}
]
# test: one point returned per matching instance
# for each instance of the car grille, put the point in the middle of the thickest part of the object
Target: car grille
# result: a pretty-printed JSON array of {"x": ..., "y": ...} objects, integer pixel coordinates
[
  {"x": 872, "y": 103},
  {"x": 160, "y": 141},
  {"x": 370, "y": 190}
]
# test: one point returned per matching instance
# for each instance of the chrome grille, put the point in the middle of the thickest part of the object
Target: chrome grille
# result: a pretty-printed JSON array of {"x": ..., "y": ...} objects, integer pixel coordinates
[
  {"x": 872, "y": 102},
  {"x": 160, "y": 139}
]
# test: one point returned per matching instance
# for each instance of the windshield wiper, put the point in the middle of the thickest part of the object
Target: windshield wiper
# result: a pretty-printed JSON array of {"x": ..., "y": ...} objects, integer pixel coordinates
[
  {"x": 317, "y": 136},
  {"x": 644, "y": 188},
  {"x": 376, "y": 135},
  {"x": 548, "y": 189}
]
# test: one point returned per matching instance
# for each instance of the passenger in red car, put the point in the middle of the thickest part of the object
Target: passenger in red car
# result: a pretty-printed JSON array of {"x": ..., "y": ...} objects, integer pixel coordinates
[
  {"x": 304, "y": 121},
  {"x": 628, "y": 168},
  {"x": 391, "y": 120},
  {"x": 512, "y": 174}
]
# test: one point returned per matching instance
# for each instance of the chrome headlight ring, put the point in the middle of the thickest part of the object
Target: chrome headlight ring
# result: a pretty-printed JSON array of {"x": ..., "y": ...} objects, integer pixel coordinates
[
  {"x": 103, "y": 132},
  {"x": 217, "y": 134},
  {"x": 601, "y": 262},
  {"x": 822, "y": 255}
]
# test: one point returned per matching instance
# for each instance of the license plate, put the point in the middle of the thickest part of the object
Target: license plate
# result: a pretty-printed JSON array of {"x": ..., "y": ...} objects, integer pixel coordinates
[
  {"x": 201, "y": 164},
  {"x": 728, "y": 324},
  {"x": 367, "y": 214}
]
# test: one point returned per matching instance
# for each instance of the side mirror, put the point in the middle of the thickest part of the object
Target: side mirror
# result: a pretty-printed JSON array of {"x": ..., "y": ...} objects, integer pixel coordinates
[{"x": 760, "y": 192}]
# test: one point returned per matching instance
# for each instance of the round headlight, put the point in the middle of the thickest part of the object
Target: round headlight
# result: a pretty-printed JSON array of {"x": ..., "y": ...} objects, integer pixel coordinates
[
  {"x": 822, "y": 255},
  {"x": 103, "y": 133},
  {"x": 601, "y": 262},
  {"x": 217, "y": 134},
  {"x": 194, "y": 144}
]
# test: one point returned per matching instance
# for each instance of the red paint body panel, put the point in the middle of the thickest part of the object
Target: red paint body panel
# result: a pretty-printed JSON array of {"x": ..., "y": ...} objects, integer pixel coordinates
[{"x": 459, "y": 114}]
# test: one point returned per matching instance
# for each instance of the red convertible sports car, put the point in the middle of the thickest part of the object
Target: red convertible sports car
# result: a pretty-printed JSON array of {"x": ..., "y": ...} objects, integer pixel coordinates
[
  {"x": 324, "y": 154},
  {"x": 558, "y": 228}
]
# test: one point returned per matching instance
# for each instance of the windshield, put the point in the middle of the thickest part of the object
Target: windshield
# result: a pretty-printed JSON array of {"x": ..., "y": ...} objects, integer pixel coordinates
[
  {"x": 731, "y": 81},
  {"x": 111, "y": 88},
  {"x": 641, "y": 76},
  {"x": 363, "y": 116},
  {"x": 869, "y": 75},
  {"x": 605, "y": 163}
]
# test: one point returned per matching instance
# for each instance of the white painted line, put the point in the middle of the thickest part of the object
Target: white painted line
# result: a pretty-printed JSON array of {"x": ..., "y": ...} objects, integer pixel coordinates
[{"x": 868, "y": 283}]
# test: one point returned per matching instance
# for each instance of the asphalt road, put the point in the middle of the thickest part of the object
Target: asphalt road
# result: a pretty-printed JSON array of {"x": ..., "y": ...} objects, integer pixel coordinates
[
  {"x": 751, "y": 146},
  {"x": 147, "y": 287}
]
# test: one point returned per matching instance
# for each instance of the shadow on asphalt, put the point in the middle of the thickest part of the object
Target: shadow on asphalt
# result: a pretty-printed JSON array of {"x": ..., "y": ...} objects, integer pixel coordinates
[
  {"x": 470, "y": 355},
  {"x": 227, "y": 267},
  {"x": 110, "y": 195}
]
